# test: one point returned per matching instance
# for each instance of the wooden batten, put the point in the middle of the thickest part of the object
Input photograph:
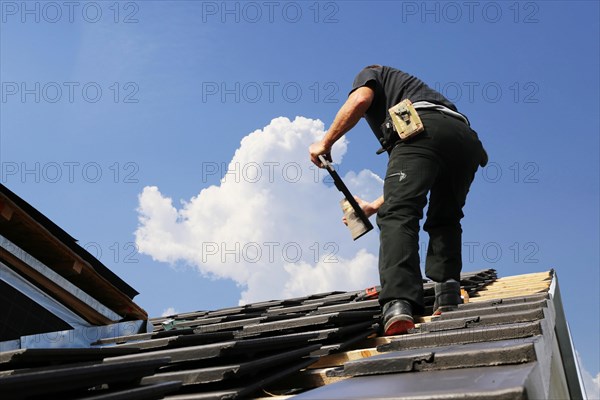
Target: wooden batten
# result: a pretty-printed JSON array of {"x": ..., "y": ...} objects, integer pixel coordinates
[
  {"x": 6, "y": 211},
  {"x": 77, "y": 267},
  {"x": 306, "y": 379},
  {"x": 514, "y": 286},
  {"x": 335, "y": 360}
]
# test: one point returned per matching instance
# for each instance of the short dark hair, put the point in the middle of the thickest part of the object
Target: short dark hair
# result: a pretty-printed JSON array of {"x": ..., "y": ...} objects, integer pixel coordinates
[{"x": 373, "y": 66}]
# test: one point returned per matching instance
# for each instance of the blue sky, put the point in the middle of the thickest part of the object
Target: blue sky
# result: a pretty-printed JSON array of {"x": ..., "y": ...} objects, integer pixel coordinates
[{"x": 103, "y": 99}]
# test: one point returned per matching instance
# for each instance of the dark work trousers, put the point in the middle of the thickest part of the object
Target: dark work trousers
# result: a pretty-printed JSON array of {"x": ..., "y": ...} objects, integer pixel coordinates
[{"x": 441, "y": 161}]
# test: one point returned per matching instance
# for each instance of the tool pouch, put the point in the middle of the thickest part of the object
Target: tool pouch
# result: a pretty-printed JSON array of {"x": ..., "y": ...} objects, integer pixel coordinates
[{"x": 405, "y": 119}]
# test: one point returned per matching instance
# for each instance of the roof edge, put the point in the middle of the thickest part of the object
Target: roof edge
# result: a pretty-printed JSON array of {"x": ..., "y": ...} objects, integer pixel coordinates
[
  {"x": 68, "y": 241},
  {"x": 565, "y": 343}
]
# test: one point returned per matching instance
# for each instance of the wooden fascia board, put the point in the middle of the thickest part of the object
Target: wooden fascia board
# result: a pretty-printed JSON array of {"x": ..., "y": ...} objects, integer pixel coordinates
[{"x": 77, "y": 270}]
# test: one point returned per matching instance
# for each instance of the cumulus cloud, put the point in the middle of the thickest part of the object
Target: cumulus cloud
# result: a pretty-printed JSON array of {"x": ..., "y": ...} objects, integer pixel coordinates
[
  {"x": 168, "y": 312},
  {"x": 591, "y": 383},
  {"x": 593, "y": 387},
  {"x": 272, "y": 224}
]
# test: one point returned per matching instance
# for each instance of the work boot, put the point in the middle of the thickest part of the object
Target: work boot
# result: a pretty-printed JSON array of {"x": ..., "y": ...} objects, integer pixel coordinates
[
  {"x": 447, "y": 296},
  {"x": 397, "y": 317}
]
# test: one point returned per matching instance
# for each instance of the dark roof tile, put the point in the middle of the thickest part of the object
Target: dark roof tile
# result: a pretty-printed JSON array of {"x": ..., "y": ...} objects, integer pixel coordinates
[
  {"x": 146, "y": 392},
  {"x": 38, "y": 357},
  {"x": 75, "y": 378},
  {"x": 464, "y": 336},
  {"x": 484, "y": 383},
  {"x": 234, "y": 352},
  {"x": 516, "y": 351},
  {"x": 308, "y": 321},
  {"x": 243, "y": 387},
  {"x": 230, "y": 371}
]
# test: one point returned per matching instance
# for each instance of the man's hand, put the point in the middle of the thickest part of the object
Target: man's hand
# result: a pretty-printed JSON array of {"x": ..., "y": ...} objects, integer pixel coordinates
[
  {"x": 368, "y": 208},
  {"x": 319, "y": 148}
]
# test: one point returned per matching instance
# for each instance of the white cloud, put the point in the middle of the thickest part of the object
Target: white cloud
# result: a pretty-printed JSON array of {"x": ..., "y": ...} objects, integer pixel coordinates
[
  {"x": 594, "y": 388},
  {"x": 168, "y": 312},
  {"x": 271, "y": 225},
  {"x": 592, "y": 384}
]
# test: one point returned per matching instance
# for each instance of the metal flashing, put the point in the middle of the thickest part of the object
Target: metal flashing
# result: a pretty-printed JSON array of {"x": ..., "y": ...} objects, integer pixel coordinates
[
  {"x": 58, "y": 280},
  {"x": 81, "y": 337},
  {"x": 40, "y": 297},
  {"x": 565, "y": 343}
]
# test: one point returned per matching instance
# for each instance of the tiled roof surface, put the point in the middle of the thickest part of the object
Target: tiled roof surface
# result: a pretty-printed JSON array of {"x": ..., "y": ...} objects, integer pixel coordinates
[{"x": 499, "y": 344}]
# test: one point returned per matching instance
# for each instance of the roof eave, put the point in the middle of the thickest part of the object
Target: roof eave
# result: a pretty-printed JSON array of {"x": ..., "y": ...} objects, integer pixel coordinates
[{"x": 565, "y": 344}]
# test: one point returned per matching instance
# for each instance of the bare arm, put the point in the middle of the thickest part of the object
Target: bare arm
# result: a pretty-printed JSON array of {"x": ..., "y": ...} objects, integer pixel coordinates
[
  {"x": 347, "y": 117},
  {"x": 370, "y": 208},
  {"x": 373, "y": 206}
]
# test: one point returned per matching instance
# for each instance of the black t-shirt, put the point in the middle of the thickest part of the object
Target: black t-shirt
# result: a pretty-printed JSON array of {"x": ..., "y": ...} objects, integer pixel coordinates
[{"x": 391, "y": 86}]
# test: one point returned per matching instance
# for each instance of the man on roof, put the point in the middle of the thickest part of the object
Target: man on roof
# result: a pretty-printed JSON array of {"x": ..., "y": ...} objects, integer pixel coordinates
[{"x": 439, "y": 160}]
